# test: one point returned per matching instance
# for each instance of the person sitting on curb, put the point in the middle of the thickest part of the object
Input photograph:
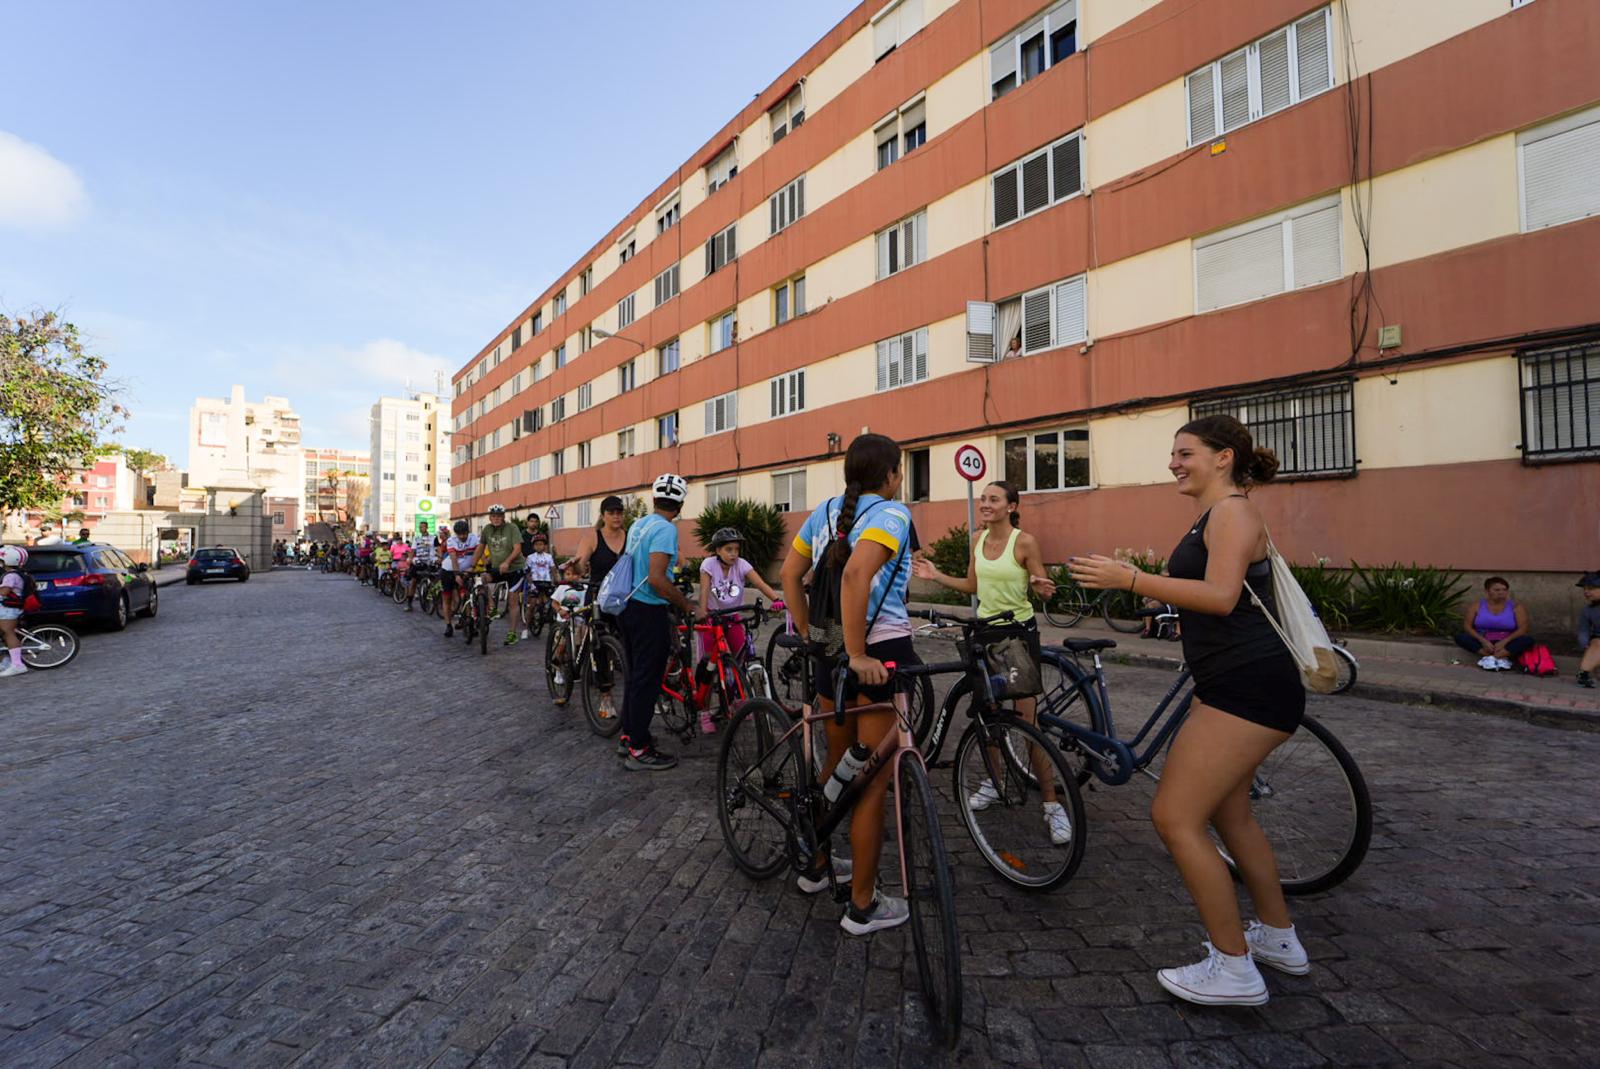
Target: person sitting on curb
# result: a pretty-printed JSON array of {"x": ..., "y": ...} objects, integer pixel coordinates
[
  {"x": 1496, "y": 628},
  {"x": 1589, "y": 630}
]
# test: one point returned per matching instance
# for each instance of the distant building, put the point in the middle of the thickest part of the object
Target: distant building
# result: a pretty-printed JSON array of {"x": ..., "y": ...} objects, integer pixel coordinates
[
  {"x": 409, "y": 462},
  {"x": 235, "y": 442},
  {"x": 88, "y": 495},
  {"x": 337, "y": 483}
]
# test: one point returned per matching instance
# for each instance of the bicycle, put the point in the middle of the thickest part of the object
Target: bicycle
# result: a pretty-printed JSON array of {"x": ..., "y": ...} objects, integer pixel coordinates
[
  {"x": 429, "y": 589},
  {"x": 1308, "y": 795},
  {"x": 1002, "y": 761},
  {"x": 536, "y": 608},
  {"x": 472, "y": 612},
  {"x": 1071, "y": 603},
  {"x": 573, "y": 652},
  {"x": 719, "y": 675},
  {"x": 773, "y": 812},
  {"x": 47, "y": 646}
]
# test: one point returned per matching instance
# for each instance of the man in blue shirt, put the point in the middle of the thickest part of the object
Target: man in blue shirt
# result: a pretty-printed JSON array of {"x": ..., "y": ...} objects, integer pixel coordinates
[{"x": 646, "y": 623}]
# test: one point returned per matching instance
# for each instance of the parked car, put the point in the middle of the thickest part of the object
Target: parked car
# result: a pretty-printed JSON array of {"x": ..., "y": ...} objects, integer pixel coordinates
[
  {"x": 219, "y": 562},
  {"x": 90, "y": 582}
]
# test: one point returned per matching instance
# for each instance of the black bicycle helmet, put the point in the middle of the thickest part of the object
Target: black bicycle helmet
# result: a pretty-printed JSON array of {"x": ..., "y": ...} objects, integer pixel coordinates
[
  {"x": 461, "y": 527},
  {"x": 724, "y": 536}
]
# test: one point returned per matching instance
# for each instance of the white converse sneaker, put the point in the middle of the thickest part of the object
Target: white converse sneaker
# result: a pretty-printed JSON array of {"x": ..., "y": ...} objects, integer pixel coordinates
[
  {"x": 1502, "y": 664},
  {"x": 1487, "y": 664},
  {"x": 1217, "y": 980},
  {"x": 1055, "y": 815},
  {"x": 984, "y": 797},
  {"x": 1277, "y": 947}
]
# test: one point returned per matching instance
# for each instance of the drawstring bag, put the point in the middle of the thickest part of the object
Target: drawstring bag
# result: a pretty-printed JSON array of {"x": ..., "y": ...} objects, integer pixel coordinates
[
  {"x": 1010, "y": 658},
  {"x": 1536, "y": 661},
  {"x": 1297, "y": 624}
]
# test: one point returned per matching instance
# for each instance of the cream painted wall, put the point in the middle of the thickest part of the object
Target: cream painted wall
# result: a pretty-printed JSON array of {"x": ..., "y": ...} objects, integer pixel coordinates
[
  {"x": 1384, "y": 31},
  {"x": 1133, "y": 450},
  {"x": 1152, "y": 287},
  {"x": 852, "y": 164},
  {"x": 838, "y": 71},
  {"x": 1453, "y": 414},
  {"x": 954, "y": 220},
  {"x": 1096, "y": 18},
  {"x": 959, "y": 94},
  {"x": 1460, "y": 198},
  {"x": 842, "y": 273},
  {"x": 1138, "y": 134}
]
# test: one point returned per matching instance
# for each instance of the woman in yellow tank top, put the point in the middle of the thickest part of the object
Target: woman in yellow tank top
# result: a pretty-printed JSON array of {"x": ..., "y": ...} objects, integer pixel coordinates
[{"x": 1002, "y": 582}]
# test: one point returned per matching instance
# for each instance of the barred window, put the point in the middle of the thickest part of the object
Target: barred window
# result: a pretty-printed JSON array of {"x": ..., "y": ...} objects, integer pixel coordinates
[
  {"x": 1561, "y": 403},
  {"x": 1311, "y": 428}
]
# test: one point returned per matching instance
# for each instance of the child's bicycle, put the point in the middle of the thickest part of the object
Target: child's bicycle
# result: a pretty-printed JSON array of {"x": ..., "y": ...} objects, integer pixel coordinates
[{"x": 46, "y": 646}]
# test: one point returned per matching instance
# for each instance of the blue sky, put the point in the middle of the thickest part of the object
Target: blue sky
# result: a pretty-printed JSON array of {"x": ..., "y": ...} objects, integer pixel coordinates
[{"x": 324, "y": 200}]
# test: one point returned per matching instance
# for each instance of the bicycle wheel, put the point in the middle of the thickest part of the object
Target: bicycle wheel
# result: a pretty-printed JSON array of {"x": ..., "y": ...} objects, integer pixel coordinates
[
  {"x": 1346, "y": 662},
  {"x": 1005, "y": 770},
  {"x": 758, "y": 682},
  {"x": 480, "y": 601},
  {"x": 48, "y": 646},
  {"x": 426, "y": 598},
  {"x": 920, "y": 707},
  {"x": 1310, "y": 798},
  {"x": 786, "y": 673},
  {"x": 1066, "y": 606},
  {"x": 1120, "y": 610},
  {"x": 758, "y": 774},
  {"x": 397, "y": 591},
  {"x": 1069, "y": 696},
  {"x": 604, "y": 726},
  {"x": 558, "y": 663},
  {"x": 930, "y": 892}
]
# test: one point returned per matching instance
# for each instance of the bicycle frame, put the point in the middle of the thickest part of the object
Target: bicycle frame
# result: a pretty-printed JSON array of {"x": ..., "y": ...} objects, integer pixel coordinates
[
  {"x": 1112, "y": 759},
  {"x": 698, "y": 694}
]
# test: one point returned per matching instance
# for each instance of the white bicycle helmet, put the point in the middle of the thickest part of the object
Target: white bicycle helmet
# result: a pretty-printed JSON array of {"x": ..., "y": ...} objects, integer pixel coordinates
[
  {"x": 671, "y": 487},
  {"x": 13, "y": 556},
  {"x": 501, "y": 509}
]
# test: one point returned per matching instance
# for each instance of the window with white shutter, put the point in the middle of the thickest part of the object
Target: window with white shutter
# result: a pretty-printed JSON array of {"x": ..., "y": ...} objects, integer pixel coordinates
[
  {"x": 1289, "y": 250},
  {"x": 788, "y": 204},
  {"x": 625, "y": 311},
  {"x": 1028, "y": 52},
  {"x": 903, "y": 245},
  {"x": 722, "y": 413},
  {"x": 1038, "y": 180},
  {"x": 720, "y": 171},
  {"x": 1286, "y": 66},
  {"x": 903, "y": 360},
  {"x": 1559, "y": 170},
  {"x": 666, "y": 285},
  {"x": 585, "y": 454},
  {"x": 788, "y": 393},
  {"x": 981, "y": 328},
  {"x": 721, "y": 249},
  {"x": 585, "y": 396},
  {"x": 894, "y": 25},
  {"x": 788, "y": 114},
  {"x": 668, "y": 214},
  {"x": 625, "y": 444},
  {"x": 789, "y": 491}
]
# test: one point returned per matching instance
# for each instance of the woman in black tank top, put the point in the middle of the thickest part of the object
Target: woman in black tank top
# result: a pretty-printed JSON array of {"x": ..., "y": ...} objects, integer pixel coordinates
[
  {"x": 596, "y": 560},
  {"x": 1248, "y": 699}
]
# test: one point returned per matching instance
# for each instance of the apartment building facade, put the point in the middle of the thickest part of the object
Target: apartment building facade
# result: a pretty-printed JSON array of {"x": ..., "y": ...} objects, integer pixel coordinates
[
  {"x": 337, "y": 485},
  {"x": 1059, "y": 230},
  {"x": 408, "y": 461},
  {"x": 239, "y": 443}
]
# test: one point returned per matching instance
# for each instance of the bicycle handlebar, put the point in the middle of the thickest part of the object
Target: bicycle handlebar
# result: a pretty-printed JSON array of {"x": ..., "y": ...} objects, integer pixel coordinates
[{"x": 944, "y": 619}]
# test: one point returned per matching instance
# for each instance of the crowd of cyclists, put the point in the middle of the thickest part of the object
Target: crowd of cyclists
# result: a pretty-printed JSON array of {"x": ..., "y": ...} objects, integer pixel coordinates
[{"x": 844, "y": 585}]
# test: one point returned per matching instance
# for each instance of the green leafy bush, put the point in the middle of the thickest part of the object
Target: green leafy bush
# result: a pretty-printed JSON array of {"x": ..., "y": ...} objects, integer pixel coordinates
[
  {"x": 761, "y": 525},
  {"x": 952, "y": 553},
  {"x": 1330, "y": 590},
  {"x": 1406, "y": 599}
]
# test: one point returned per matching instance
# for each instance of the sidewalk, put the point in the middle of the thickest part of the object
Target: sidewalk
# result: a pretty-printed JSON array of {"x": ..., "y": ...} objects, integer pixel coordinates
[{"x": 1409, "y": 671}]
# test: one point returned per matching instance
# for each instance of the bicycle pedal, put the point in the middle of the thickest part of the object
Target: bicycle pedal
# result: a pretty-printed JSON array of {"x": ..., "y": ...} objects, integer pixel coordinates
[{"x": 841, "y": 892}]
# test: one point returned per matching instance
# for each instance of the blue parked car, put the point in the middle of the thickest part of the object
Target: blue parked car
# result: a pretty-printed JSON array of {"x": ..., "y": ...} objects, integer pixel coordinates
[
  {"x": 90, "y": 582},
  {"x": 218, "y": 562}
]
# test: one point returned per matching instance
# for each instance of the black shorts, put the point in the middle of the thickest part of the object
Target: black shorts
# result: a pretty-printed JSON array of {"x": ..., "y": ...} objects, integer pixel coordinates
[
  {"x": 897, "y": 650},
  {"x": 447, "y": 582},
  {"x": 1268, "y": 692}
]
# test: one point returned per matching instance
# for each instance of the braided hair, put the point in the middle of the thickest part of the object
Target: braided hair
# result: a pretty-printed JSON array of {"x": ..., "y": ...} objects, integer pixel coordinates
[{"x": 868, "y": 464}]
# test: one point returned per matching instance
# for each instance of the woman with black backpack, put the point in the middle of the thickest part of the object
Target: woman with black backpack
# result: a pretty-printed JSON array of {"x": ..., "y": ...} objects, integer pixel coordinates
[{"x": 859, "y": 546}]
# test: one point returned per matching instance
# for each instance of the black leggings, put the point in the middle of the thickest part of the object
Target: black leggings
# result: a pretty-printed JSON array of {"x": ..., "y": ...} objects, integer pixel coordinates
[
  {"x": 1515, "y": 648},
  {"x": 647, "y": 640}
]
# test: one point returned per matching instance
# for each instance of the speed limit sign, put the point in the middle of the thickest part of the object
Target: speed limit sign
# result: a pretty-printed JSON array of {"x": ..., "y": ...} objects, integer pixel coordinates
[{"x": 970, "y": 464}]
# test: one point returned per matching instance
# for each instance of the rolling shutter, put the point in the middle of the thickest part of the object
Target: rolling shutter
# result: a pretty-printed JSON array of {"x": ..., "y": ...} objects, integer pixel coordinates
[
  {"x": 1066, "y": 174},
  {"x": 1315, "y": 240},
  {"x": 1235, "y": 90},
  {"x": 1035, "y": 182},
  {"x": 886, "y": 34},
  {"x": 1002, "y": 61},
  {"x": 1272, "y": 55},
  {"x": 980, "y": 332},
  {"x": 1006, "y": 197},
  {"x": 919, "y": 349},
  {"x": 884, "y": 239},
  {"x": 1561, "y": 175},
  {"x": 1313, "y": 58},
  {"x": 1071, "y": 321},
  {"x": 1238, "y": 269},
  {"x": 1202, "y": 106},
  {"x": 1036, "y": 321},
  {"x": 883, "y": 365}
]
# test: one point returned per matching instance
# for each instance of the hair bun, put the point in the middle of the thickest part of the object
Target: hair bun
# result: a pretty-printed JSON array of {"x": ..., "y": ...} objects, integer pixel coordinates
[{"x": 1263, "y": 465}]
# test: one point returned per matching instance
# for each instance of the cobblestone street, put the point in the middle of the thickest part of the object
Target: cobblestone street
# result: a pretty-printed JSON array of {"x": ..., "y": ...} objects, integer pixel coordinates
[{"x": 286, "y": 823}]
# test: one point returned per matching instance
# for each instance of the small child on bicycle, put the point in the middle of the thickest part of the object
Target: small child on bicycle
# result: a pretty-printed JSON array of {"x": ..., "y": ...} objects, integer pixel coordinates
[
  {"x": 722, "y": 580},
  {"x": 13, "y": 595},
  {"x": 571, "y": 594}
]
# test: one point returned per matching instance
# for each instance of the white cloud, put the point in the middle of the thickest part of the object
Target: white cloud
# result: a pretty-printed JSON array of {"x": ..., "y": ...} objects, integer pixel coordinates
[{"x": 36, "y": 189}]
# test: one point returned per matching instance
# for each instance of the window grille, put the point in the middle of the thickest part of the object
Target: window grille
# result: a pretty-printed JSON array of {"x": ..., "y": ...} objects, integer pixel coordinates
[
  {"x": 1312, "y": 429},
  {"x": 1561, "y": 403}
]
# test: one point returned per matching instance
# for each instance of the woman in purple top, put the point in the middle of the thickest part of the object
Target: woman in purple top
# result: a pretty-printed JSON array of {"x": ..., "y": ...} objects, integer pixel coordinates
[{"x": 1496, "y": 628}]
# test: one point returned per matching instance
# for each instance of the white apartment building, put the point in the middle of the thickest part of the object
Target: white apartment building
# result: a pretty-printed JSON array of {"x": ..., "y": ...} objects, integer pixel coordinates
[
  {"x": 409, "y": 460},
  {"x": 234, "y": 442}
]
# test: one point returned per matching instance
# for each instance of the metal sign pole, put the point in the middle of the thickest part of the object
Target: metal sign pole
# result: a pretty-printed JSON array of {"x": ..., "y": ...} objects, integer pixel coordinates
[{"x": 971, "y": 534}]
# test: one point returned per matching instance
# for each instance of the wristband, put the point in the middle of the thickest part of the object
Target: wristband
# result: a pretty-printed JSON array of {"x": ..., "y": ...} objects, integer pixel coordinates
[{"x": 1133, "y": 580}]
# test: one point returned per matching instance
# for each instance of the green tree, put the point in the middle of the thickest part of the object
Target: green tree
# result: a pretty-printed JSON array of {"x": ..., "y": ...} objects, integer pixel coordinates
[
  {"x": 760, "y": 524},
  {"x": 56, "y": 405}
]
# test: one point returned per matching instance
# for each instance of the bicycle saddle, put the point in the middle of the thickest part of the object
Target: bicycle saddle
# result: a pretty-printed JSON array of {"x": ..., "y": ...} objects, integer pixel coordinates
[
  {"x": 790, "y": 642},
  {"x": 1088, "y": 645}
]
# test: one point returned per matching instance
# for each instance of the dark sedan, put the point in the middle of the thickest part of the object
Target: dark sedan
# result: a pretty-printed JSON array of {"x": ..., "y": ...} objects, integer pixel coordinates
[
  {"x": 218, "y": 563},
  {"x": 90, "y": 582}
]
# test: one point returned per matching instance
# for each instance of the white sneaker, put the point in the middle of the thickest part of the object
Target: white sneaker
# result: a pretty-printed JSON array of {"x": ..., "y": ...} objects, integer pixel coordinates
[
  {"x": 1055, "y": 815},
  {"x": 1502, "y": 664},
  {"x": 984, "y": 797},
  {"x": 886, "y": 911},
  {"x": 526, "y": 634},
  {"x": 843, "y": 868},
  {"x": 1217, "y": 980},
  {"x": 1285, "y": 955},
  {"x": 559, "y": 677},
  {"x": 1488, "y": 664},
  {"x": 13, "y": 669}
]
